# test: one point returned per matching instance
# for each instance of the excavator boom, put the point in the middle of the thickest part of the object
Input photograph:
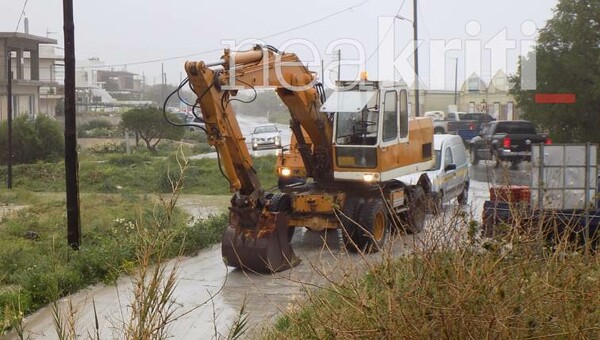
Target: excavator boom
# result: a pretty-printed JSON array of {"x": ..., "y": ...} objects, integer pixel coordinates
[{"x": 257, "y": 235}]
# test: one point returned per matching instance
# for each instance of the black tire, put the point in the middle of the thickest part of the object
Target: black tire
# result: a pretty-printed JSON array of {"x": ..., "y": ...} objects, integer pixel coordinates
[
  {"x": 414, "y": 218},
  {"x": 373, "y": 218},
  {"x": 435, "y": 203},
  {"x": 464, "y": 195},
  {"x": 474, "y": 158},
  {"x": 348, "y": 220}
]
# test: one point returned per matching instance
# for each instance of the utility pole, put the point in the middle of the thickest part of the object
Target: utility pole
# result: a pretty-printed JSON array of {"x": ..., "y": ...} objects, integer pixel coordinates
[
  {"x": 9, "y": 157},
  {"x": 455, "y": 79},
  {"x": 71, "y": 162},
  {"x": 162, "y": 81},
  {"x": 416, "y": 54},
  {"x": 339, "y": 65}
]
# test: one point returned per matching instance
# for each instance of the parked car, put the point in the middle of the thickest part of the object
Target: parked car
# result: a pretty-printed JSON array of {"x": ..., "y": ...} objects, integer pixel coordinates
[
  {"x": 455, "y": 121},
  {"x": 450, "y": 175},
  {"x": 265, "y": 137},
  {"x": 508, "y": 141}
]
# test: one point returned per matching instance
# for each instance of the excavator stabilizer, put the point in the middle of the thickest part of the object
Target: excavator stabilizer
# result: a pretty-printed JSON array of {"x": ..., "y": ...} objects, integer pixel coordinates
[{"x": 264, "y": 248}]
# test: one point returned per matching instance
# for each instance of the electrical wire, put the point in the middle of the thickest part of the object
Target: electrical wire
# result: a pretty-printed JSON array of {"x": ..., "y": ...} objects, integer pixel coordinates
[
  {"x": 386, "y": 33},
  {"x": 21, "y": 16},
  {"x": 240, "y": 100},
  {"x": 350, "y": 8},
  {"x": 316, "y": 20},
  {"x": 220, "y": 167},
  {"x": 182, "y": 84}
]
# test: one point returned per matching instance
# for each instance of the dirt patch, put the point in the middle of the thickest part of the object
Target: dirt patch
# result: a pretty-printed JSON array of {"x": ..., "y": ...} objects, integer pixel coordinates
[
  {"x": 6, "y": 210},
  {"x": 86, "y": 143},
  {"x": 202, "y": 206}
]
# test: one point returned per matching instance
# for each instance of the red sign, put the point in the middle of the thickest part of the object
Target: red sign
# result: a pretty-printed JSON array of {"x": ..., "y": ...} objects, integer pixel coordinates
[{"x": 555, "y": 98}]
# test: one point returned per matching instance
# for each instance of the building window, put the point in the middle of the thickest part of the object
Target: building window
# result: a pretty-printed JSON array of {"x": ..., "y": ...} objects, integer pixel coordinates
[
  {"x": 472, "y": 107},
  {"x": 32, "y": 107},
  {"x": 15, "y": 106}
]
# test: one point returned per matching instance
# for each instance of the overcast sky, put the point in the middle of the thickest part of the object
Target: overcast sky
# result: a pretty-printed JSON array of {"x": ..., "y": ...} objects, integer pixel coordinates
[{"x": 484, "y": 35}]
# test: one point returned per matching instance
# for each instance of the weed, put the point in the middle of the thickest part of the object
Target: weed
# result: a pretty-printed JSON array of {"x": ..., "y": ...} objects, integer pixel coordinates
[{"x": 451, "y": 283}]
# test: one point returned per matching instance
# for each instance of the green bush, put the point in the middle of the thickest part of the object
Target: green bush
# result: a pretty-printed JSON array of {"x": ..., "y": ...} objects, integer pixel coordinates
[
  {"x": 108, "y": 148},
  {"x": 96, "y": 124},
  {"x": 35, "y": 140}
]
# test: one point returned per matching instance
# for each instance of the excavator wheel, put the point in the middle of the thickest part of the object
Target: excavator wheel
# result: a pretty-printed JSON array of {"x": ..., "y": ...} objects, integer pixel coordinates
[
  {"x": 373, "y": 219},
  {"x": 265, "y": 248},
  {"x": 414, "y": 218},
  {"x": 349, "y": 220}
]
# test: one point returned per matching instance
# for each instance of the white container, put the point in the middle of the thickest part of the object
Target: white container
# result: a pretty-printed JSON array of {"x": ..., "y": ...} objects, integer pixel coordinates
[{"x": 562, "y": 174}]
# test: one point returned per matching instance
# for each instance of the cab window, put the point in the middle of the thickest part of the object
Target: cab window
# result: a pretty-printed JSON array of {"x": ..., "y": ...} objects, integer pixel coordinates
[
  {"x": 403, "y": 114},
  {"x": 448, "y": 157},
  {"x": 390, "y": 116}
]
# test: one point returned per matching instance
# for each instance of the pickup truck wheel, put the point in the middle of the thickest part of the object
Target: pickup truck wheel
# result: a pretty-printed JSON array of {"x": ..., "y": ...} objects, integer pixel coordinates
[
  {"x": 464, "y": 195},
  {"x": 374, "y": 221},
  {"x": 414, "y": 218},
  {"x": 473, "y": 153},
  {"x": 349, "y": 220}
]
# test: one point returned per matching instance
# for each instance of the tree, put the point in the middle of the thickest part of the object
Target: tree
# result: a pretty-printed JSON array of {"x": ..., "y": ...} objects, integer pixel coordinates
[
  {"x": 33, "y": 140},
  {"x": 567, "y": 58},
  {"x": 151, "y": 126}
]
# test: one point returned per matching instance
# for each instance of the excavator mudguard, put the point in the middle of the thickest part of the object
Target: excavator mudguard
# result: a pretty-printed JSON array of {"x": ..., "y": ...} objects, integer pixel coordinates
[{"x": 262, "y": 246}]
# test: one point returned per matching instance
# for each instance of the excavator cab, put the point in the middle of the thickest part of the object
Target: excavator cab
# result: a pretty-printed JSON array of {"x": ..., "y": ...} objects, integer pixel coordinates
[{"x": 371, "y": 132}]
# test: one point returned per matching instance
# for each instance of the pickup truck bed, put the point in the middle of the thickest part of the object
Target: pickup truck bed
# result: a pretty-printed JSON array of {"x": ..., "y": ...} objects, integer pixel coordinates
[
  {"x": 461, "y": 120},
  {"x": 505, "y": 141}
]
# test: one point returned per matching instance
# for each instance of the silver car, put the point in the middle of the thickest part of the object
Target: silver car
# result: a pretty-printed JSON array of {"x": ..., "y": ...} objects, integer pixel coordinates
[{"x": 266, "y": 136}]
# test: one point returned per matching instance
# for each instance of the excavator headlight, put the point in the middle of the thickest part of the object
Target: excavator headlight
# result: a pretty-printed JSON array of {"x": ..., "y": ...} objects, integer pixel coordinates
[
  {"x": 286, "y": 172},
  {"x": 369, "y": 177}
]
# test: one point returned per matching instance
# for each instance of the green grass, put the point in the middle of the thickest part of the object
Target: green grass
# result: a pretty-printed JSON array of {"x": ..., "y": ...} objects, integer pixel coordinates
[
  {"x": 134, "y": 174},
  {"x": 38, "y": 266}
]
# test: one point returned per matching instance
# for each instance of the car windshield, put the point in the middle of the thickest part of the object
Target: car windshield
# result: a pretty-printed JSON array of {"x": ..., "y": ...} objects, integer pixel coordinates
[
  {"x": 438, "y": 160},
  {"x": 265, "y": 129}
]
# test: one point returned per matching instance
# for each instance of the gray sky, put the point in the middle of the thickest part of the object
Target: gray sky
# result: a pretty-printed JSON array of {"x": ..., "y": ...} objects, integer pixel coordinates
[{"x": 133, "y": 31}]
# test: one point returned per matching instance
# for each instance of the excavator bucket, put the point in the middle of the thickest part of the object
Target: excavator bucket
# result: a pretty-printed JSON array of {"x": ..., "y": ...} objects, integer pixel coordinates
[{"x": 262, "y": 246}]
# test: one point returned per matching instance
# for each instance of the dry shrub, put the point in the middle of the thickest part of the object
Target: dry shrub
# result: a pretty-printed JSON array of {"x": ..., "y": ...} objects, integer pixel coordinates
[{"x": 454, "y": 284}]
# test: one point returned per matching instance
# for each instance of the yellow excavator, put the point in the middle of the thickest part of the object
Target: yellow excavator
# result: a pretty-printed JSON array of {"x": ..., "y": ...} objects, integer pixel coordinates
[{"x": 348, "y": 149}]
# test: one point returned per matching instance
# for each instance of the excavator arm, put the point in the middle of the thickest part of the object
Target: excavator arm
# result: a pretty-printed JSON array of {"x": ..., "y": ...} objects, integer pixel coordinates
[
  {"x": 294, "y": 84},
  {"x": 257, "y": 234}
]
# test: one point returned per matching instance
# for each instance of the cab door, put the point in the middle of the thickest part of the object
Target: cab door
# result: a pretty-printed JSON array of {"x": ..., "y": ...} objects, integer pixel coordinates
[{"x": 450, "y": 180}]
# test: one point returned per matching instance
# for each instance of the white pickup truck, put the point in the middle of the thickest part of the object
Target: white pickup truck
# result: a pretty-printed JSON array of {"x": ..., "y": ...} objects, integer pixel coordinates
[{"x": 450, "y": 175}]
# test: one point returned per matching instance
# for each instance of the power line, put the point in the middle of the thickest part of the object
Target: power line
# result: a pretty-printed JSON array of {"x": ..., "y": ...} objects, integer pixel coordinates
[
  {"x": 21, "y": 16},
  {"x": 350, "y": 8},
  {"x": 316, "y": 20},
  {"x": 386, "y": 33}
]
